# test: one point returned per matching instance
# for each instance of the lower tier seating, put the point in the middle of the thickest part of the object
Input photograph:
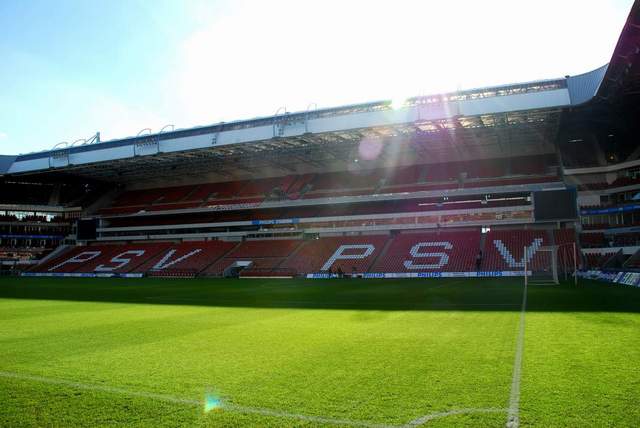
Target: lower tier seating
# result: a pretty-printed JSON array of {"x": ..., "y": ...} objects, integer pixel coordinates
[
  {"x": 188, "y": 256},
  {"x": 592, "y": 240},
  {"x": 504, "y": 250},
  {"x": 264, "y": 255},
  {"x": 424, "y": 252},
  {"x": 349, "y": 253},
  {"x": 436, "y": 251},
  {"x": 146, "y": 257},
  {"x": 257, "y": 263},
  {"x": 597, "y": 260},
  {"x": 565, "y": 240}
]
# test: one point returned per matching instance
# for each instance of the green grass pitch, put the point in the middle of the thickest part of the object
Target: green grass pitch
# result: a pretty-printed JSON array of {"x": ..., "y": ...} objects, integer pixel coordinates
[{"x": 371, "y": 353}]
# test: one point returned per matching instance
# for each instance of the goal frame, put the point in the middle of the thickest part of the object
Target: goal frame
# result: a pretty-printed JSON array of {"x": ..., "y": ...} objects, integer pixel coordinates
[{"x": 568, "y": 249}]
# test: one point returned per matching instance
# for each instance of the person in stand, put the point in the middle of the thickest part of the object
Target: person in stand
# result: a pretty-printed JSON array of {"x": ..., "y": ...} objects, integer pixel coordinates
[{"x": 478, "y": 260}]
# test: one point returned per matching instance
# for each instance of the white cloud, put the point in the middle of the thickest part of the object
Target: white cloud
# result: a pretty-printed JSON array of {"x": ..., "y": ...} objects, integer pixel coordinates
[
  {"x": 115, "y": 118},
  {"x": 259, "y": 56},
  {"x": 3, "y": 136},
  {"x": 248, "y": 58}
]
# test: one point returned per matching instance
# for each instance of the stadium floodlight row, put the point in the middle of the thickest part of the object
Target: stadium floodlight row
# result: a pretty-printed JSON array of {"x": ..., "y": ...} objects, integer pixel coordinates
[{"x": 378, "y": 188}]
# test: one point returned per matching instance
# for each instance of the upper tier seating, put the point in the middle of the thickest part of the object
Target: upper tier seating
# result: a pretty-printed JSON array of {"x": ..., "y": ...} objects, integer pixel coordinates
[
  {"x": 628, "y": 239},
  {"x": 263, "y": 186},
  {"x": 470, "y": 174},
  {"x": 595, "y": 226},
  {"x": 447, "y": 251},
  {"x": 23, "y": 193},
  {"x": 345, "y": 252},
  {"x": 504, "y": 250},
  {"x": 593, "y": 186},
  {"x": 625, "y": 181},
  {"x": 139, "y": 197},
  {"x": 592, "y": 240}
]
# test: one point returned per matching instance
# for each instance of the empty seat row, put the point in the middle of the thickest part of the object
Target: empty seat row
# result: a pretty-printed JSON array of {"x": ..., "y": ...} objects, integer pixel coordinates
[
  {"x": 356, "y": 182},
  {"x": 435, "y": 251},
  {"x": 145, "y": 257},
  {"x": 419, "y": 252}
]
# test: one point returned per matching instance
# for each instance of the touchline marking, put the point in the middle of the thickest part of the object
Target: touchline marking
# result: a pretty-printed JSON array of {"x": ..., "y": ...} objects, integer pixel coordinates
[
  {"x": 190, "y": 402},
  {"x": 316, "y": 305},
  {"x": 426, "y": 418},
  {"x": 102, "y": 388},
  {"x": 513, "y": 418}
]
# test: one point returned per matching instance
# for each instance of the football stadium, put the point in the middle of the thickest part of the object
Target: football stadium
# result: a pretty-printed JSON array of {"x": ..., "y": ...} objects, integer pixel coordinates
[{"x": 469, "y": 258}]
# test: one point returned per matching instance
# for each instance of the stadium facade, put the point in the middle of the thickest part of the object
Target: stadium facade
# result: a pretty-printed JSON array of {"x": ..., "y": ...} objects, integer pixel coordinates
[{"x": 468, "y": 183}]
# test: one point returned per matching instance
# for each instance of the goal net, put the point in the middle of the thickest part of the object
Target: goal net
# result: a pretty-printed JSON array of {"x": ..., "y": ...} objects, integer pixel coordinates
[
  {"x": 548, "y": 264},
  {"x": 541, "y": 265}
]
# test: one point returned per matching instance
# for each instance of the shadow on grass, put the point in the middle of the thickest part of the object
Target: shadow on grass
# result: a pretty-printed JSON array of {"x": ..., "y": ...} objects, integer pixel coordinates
[{"x": 483, "y": 294}]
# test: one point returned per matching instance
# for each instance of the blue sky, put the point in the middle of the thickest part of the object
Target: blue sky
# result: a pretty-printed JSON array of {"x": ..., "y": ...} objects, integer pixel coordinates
[{"x": 71, "y": 68}]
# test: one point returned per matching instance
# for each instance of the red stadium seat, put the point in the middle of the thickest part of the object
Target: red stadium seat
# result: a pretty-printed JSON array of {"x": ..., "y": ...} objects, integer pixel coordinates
[
  {"x": 431, "y": 252},
  {"x": 345, "y": 252},
  {"x": 264, "y": 255},
  {"x": 188, "y": 256},
  {"x": 504, "y": 249}
]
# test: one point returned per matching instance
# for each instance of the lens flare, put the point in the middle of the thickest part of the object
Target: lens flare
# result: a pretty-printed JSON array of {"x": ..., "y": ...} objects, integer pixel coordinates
[
  {"x": 212, "y": 402},
  {"x": 398, "y": 102},
  {"x": 369, "y": 149}
]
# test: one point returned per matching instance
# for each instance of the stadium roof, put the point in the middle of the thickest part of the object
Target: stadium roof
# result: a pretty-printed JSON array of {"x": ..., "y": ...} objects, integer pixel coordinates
[
  {"x": 5, "y": 163},
  {"x": 622, "y": 78},
  {"x": 487, "y": 122}
]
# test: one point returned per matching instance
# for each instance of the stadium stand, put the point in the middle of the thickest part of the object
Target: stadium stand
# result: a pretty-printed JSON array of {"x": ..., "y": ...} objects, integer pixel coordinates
[
  {"x": 444, "y": 251},
  {"x": 333, "y": 184},
  {"x": 592, "y": 240},
  {"x": 565, "y": 240},
  {"x": 504, "y": 249},
  {"x": 421, "y": 252},
  {"x": 74, "y": 258},
  {"x": 287, "y": 183},
  {"x": 597, "y": 260},
  {"x": 187, "y": 258},
  {"x": 349, "y": 253},
  {"x": 264, "y": 255}
]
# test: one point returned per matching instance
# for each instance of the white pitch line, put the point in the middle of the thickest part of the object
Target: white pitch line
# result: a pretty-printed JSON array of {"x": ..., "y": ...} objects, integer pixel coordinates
[
  {"x": 513, "y": 418},
  {"x": 241, "y": 409},
  {"x": 101, "y": 388},
  {"x": 185, "y": 401},
  {"x": 426, "y": 418},
  {"x": 317, "y": 305}
]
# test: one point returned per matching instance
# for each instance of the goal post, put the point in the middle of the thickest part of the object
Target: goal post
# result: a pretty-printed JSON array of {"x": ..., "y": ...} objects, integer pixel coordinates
[
  {"x": 548, "y": 264},
  {"x": 568, "y": 261},
  {"x": 541, "y": 265}
]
